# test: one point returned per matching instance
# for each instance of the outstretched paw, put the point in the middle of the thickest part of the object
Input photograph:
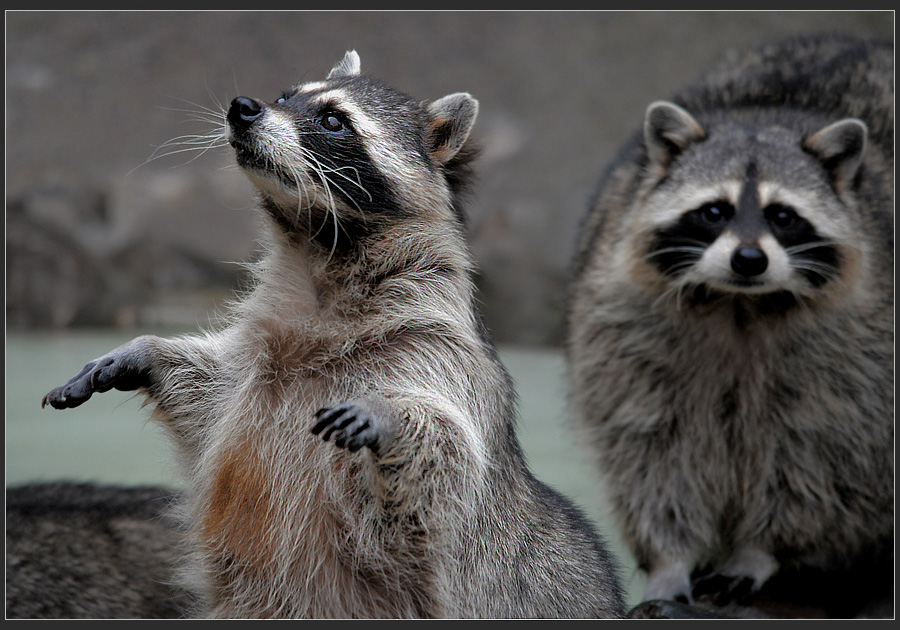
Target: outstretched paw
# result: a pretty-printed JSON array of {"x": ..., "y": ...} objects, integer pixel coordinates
[
  {"x": 113, "y": 370},
  {"x": 352, "y": 425}
]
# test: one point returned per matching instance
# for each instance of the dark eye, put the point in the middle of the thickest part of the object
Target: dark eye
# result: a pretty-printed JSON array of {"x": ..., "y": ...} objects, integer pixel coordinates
[
  {"x": 331, "y": 122},
  {"x": 781, "y": 217},
  {"x": 716, "y": 212},
  {"x": 284, "y": 96}
]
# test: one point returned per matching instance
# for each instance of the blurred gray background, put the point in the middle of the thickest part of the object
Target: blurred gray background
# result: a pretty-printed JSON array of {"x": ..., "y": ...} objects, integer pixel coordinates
[{"x": 97, "y": 235}]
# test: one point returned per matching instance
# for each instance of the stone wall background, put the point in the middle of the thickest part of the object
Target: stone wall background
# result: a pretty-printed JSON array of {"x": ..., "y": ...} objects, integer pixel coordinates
[{"x": 99, "y": 234}]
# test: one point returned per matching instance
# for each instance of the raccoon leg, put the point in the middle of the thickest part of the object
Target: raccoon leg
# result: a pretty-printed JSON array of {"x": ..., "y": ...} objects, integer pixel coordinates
[
  {"x": 180, "y": 375},
  {"x": 739, "y": 578},
  {"x": 670, "y": 580}
]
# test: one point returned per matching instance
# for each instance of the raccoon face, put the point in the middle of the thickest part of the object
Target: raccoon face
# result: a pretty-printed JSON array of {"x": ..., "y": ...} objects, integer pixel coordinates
[
  {"x": 747, "y": 210},
  {"x": 343, "y": 154}
]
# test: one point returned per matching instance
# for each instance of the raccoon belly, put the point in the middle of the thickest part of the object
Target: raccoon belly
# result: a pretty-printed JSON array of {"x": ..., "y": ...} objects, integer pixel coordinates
[{"x": 295, "y": 536}]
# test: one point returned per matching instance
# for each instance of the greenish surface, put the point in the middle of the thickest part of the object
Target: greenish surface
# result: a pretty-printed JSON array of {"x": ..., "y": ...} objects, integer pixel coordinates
[{"x": 109, "y": 440}]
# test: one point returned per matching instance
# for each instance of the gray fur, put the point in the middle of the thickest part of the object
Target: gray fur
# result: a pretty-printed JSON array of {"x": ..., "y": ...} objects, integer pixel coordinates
[
  {"x": 457, "y": 113},
  {"x": 79, "y": 551},
  {"x": 348, "y": 437},
  {"x": 743, "y": 430},
  {"x": 668, "y": 129}
]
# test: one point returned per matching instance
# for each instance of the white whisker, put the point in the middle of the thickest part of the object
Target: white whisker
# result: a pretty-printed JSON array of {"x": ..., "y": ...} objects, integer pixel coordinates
[{"x": 196, "y": 143}]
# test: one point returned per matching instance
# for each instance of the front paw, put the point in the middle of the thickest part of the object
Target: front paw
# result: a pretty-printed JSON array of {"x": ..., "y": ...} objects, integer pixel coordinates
[
  {"x": 101, "y": 375},
  {"x": 725, "y": 589},
  {"x": 352, "y": 425},
  {"x": 738, "y": 579}
]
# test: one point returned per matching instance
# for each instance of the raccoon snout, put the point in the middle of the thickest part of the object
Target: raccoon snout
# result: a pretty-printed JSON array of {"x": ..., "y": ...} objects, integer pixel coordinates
[
  {"x": 749, "y": 261},
  {"x": 243, "y": 111}
]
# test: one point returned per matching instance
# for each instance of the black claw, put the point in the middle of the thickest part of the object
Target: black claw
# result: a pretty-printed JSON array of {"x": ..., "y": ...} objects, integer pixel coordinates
[
  {"x": 325, "y": 418},
  {"x": 348, "y": 424},
  {"x": 336, "y": 428},
  {"x": 361, "y": 439}
]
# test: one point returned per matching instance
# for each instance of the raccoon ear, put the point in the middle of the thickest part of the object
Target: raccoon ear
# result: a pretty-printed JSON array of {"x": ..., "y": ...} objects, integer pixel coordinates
[
  {"x": 452, "y": 118},
  {"x": 668, "y": 130},
  {"x": 346, "y": 67},
  {"x": 839, "y": 147}
]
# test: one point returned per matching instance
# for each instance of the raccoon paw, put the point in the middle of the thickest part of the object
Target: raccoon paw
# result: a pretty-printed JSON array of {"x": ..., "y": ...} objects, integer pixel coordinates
[
  {"x": 121, "y": 370},
  {"x": 725, "y": 589},
  {"x": 669, "y": 609},
  {"x": 352, "y": 425},
  {"x": 739, "y": 579}
]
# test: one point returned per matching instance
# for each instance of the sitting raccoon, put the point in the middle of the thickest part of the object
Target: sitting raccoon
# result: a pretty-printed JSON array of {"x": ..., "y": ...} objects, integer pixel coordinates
[
  {"x": 730, "y": 331},
  {"x": 348, "y": 437}
]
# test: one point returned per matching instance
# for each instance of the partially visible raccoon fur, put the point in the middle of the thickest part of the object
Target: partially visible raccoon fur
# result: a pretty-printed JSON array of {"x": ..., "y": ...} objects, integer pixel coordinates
[
  {"x": 361, "y": 329},
  {"x": 82, "y": 551},
  {"x": 730, "y": 337}
]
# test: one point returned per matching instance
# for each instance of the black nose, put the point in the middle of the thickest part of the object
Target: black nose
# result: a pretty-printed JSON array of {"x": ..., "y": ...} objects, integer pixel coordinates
[
  {"x": 243, "y": 111},
  {"x": 749, "y": 261}
]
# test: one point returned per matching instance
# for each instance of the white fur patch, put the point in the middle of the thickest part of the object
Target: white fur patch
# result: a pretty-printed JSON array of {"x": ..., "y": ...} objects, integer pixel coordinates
[
  {"x": 669, "y": 580},
  {"x": 362, "y": 123},
  {"x": 807, "y": 205},
  {"x": 714, "y": 267},
  {"x": 311, "y": 86},
  {"x": 667, "y": 210},
  {"x": 751, "y": 562},
  {"x": 276, "y": 128},
  {"x": 779, "y": 271}
]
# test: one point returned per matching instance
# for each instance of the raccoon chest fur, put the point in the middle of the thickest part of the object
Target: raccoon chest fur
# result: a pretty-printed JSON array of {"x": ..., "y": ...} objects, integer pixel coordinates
[
  {"x": 260, "y": 541},
  {"x": 285, "y": 528}
]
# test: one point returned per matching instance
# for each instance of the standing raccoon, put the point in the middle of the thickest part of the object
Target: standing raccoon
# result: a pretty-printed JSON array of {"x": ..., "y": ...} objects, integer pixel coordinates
[
  {"x": 361, "y": 329},
  {"x": 730, "y": 337}
]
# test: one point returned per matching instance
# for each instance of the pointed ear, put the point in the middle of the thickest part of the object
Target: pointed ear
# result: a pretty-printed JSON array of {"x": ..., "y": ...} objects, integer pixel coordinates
[
  {"x": 346, "y": 67},
  {"x": 839, "y": 147},
  {"x": 669, "y": 130},
  {"x": 452, "y": 118}
]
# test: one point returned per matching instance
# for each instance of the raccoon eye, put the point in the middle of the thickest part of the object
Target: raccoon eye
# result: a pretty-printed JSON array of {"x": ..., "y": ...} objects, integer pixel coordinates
[
  {"x": 781, "y": 217},
  {"x": 716, "y": 212},
  {"x": 284, "y": 96},
  {"x": 331, "y": 121}
]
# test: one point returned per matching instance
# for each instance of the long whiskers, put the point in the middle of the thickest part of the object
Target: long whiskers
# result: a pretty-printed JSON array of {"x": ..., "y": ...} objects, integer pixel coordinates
[
  {"x": 194, "y": 143},
  {"x": 333, "y": 179},
  {"x": 309, "y": 194},
  {"x": 813, "y": 264}
]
